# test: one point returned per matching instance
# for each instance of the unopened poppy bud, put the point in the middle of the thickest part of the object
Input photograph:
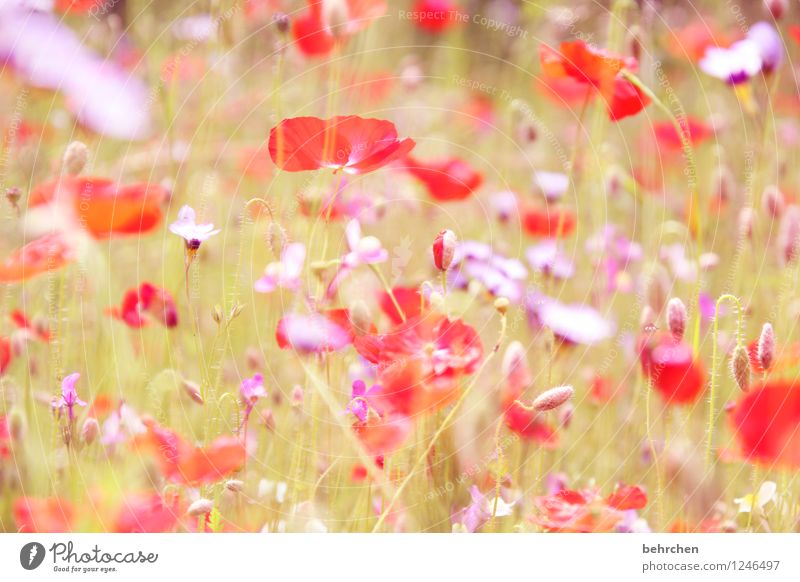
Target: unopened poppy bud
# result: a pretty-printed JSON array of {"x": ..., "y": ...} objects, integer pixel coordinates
[
  {"x": 234, "y": 485},
  {"x": 298, "y": 395},
  {"x": 75, "y": 157},
  {"x": 789, "y": 234},
  {"x": 773, "y": 202},
  {"x": 360, "y": 317},
  {"x": 200, "y": 507},
  {"x": 635, "y": 42},
  {"x": 16, "y": 424},
  {"x": 501, "y": 305},
  {"x": 746, "y": 219},
  {"x": 90, "y": 430},
  {"x": 766, "y": 346},
  {"x": 444, "y": 248},
  {"x": 276, "y": 238},
  {"x": 216, "y": 314},
  {"x": 776, "y": 8},
  {"x": 553, "y": 398},
  {"x": 193, "y": 391},
  {"x": 281, "y": 21},
  {"x": 740, "y": 367},
  {"x": 676, "y": 318},
  {"x": 335, "y": 17}
]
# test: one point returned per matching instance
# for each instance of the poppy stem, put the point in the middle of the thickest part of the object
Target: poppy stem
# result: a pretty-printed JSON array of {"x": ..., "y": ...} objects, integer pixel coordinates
[
  {"x": 713, "y": 382},
  {"x": 388, "y": 289},
  {"x": 445, "y": 423}
]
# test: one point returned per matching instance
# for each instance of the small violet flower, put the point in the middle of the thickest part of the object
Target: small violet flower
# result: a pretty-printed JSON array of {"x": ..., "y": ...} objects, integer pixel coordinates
[
  {"x": 366, "y": 250},
  {"x": 250, "y": 390},
  {"x": 187, "y": 228},
  {"x": 359, "y": 400},
  {"x": 284, "y": 273},
  {"x": 69, "y": 395}
]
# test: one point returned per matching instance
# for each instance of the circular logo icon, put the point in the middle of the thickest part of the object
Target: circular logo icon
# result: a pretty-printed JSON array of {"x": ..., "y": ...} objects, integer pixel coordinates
[{"x": 31, "y": 555}]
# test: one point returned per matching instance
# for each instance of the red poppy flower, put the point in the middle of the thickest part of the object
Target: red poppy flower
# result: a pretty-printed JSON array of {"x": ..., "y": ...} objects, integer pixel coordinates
[
  {"x": 575, "y": 512},
  {"x": 183, "y": 463},
  {"x": 45, "y": 254},
  {"x": 564, "y": 91},
  {"x": 409, "y": 300},
  {"x": 40, "y": 331},
  {"x": 5, "y": 438},
  {"x": 599, "y": 70},
  {"x": 325, "y": 331},
  {"x": 529, "y": 425},
  {"x": 696, "y": 130},
  {"x": 676, "y": 375},
  {"x": 710, "y": 525},
  {"x": 435, "y": 16},
  {"x": 627, "y": 497},
  {"x": 316, "y": 33},
  {"x": 104, "y": 208},
  {"x": 548, "y": 222},
  {"x": 446, "y": 179},
  {"x": 147, "y": 300},
  {"x": 383, "y": 434},
  {"x": 43, "y": 515},
  {"x": 694, "y": 39},
  {"x": 79, "y": 6},
  {"x": 787, "y": 357},
  {"x": 349, "y": 143},
  {"x": 5, "y": 354},
  {"x": 604, "y": 390},
  {"x": 146, "y": 513},
  {"x": 766, "y": 422},
  {"x": 794, "y": 33}
]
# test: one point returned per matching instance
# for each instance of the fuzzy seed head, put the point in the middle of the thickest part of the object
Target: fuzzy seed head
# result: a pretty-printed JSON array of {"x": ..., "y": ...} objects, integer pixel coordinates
[
  {"x": 746, "y": 220},
  {"x": 773, "y": 202},
  {"x": 200, "y": 507},
  {"x": 766, "y": 346},
  {"x": 234, "y": 485},
  {"x": 75, "y": 157},
  {"x": 676, "y": 318},
  {"x": 553, "y": 398}
]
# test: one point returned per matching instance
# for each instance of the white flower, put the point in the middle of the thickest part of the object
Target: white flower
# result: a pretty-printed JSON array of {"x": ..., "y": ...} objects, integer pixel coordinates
[
  {"x": 766, "y": 493},
  {"x": 284, "y": 273},
  {"x": 187, "y": 227}
]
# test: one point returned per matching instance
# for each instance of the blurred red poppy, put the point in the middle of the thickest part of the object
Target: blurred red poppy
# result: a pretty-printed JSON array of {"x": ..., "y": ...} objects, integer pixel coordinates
[
  {"x": 5, "y": 438},
  {"x": 37, "y": 330},
  {"x": 349, "y": 143},
  {"x": 766, "y": 423},
  {"x": 445, "y": 179},
  {"x": 79, "y": 6},
  {"x": 48, "y": 253},
  {"x": 324, "y": 22},
  {"x": 383, "y": 434},
  {"x": 104, "y": 208},
  {"x": 671, "y": 366},
  {"x": 5, "y": 354},
  {"x": 146, "y": 513},
  {"x": 696, "y": 130},
  {"x": 599, "y": 70},
  {"x": 575, "y": 512},
  {"x": 147, "y": 300},
  {"x": 435, "y": 16},
  {"x": 43, "y": 515},
  {"x": 548, "y": 222},
  {"x": 627, "y": 497},
  {"x": 695, "y": 38},
  {"x": 183, "y": 463}
]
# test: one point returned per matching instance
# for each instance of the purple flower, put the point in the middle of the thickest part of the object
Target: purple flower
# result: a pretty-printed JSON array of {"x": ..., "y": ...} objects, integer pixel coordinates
[
  {"x": 547, "y": 258},
  {"x": 552, "y": 184},
  {"x": 761, "y": 51},
  {"x": 359, "y": 400},
  {"x": 284, "y": 273},
  {"x": 69, "y": 395},
  {"x": 251, "y": 389},
  {"x": 504, "y": 205},
  {"x": 501, "y": 276},
  {"x": 476, "y": 514},
  {"x": 48, "y": 55},
  {"x": 577, "y": 324},
  {"x": 769, "y": 44},
  {"x": 312, "y": 333},
  {"x": 366, "y": 250},
  {"x": 187, "y": 228}
]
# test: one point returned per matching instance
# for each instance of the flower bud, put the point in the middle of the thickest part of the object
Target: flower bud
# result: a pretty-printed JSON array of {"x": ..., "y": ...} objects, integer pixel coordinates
[
  {"x": 193, "y": 391},
  {"x": 13, "y": 195},
  {"x": 234, "y": 485},
  {"x": 553, "y": 398},
  {"x": 254, "y": 358},
  {"x": 501, "y": 305},
  {"x": 773, "y": 202},
  {"x": 268, "y": 418},
  {"x": 740, "y": 367},
  {"x": 276, "y": 238},
  {"x": 200, "y": 507},
  {"x": 565, "y": 415},
  {"x": 746, "y": 219},
  {"x": 335, "y": 17},
  {"x": 90, "y": 430},
  {"x": 298, "y": 395},
  {"x": 282, "y": 22},
  {"x": 75, "y": 157},
  {"x": 676, "y": 318},
  {"x": 776, "y": 8},
  {"x": 789, "y": 235},
  {"x": 766, "y": 347},
  {"x": 444, "y": 247},
  {"x": 16, "y": 424}
]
